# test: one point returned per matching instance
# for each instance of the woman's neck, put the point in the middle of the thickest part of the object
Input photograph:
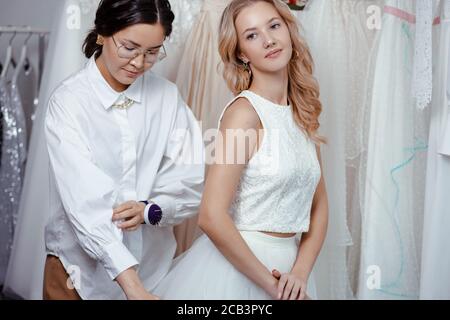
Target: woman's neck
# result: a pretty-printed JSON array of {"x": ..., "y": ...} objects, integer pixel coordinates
[
  {"x": 272, "y": 86},
  {"x": 113, "y": 83}
]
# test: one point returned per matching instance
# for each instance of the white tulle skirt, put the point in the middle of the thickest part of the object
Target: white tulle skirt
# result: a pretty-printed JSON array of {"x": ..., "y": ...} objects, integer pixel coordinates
[{"x": 203, "y": 273}]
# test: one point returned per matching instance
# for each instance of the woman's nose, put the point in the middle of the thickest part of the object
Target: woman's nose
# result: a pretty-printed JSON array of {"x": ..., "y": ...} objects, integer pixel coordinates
[
  {"x": 138, "y": 62},
  {"x": 268, "y": 41}
]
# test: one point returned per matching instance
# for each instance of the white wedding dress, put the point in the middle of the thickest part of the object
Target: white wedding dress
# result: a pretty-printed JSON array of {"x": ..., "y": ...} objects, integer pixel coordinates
[
  {"x": 396, "y": 161},
  {"x": 339, "y": 42},
  {"x": 274, "y": 194},
  {"x": 435, "y": 266}
]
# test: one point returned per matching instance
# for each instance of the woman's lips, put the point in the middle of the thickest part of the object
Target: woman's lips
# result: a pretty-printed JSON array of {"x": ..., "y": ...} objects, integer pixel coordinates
[
  {"x": 274, "y": 54},
  {"x": 131, "y": 74}
]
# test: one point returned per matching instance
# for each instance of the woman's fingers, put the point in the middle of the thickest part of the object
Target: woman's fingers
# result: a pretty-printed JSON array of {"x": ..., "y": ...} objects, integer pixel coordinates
[
  {"x": 132, "y": 223},
  {"x": 122, "y": 216},
  {"x": 125, "y": 214},
  {"x": 276, "y": 273},
  {"x": 295, "y": 291},
  {"x": 302, "y": 295},
  {"x": 281, "y": 284},
  {"x": 288, "y": 289},
  {"x": 124, "y": 206}
]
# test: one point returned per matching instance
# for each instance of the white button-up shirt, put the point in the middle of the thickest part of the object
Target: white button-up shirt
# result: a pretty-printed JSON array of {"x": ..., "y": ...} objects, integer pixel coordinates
[{"x": 102, "y": 156}]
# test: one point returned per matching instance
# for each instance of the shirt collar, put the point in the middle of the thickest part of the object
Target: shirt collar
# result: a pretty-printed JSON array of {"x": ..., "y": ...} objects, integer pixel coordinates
[{"x": 107, "y": 95}]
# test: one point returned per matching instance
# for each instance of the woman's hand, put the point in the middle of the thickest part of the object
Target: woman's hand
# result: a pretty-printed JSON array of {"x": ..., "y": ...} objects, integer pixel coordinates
[
  {"x": 130, "y": 215},
  {"x": 291, "y": 286}
]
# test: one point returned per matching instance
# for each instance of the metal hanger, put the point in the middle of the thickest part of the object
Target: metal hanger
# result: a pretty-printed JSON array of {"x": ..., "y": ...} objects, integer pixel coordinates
[
  {"x": 23, "y": 59},
  {"x": 9, "y": 57}
]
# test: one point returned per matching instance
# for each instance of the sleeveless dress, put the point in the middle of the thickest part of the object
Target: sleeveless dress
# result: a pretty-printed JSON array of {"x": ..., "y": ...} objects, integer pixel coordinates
[{"x": 274, "y": 194}]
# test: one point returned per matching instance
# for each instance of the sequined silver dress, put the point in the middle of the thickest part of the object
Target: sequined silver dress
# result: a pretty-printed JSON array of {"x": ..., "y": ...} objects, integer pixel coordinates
[{"x": 12, "y": 165}]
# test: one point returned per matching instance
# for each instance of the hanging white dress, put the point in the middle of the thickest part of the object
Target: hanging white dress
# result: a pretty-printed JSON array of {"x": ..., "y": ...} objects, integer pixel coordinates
[
  {"x": 186, "y": 13},
  {"x": 26, "y": 264},
  {"x": 360, "y": 19},
  {"x": 435, "y": 275},
  {"x": 202, "y": 86},
  {"x": 200, "y": 82},
  {"x": 325, "y": 32},
  {"x": 27, "y": 83},
  {"x": 395, "y": 178}
]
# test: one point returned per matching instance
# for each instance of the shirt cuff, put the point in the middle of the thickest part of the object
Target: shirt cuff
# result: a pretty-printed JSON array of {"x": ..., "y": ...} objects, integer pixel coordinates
[
  {"x": 168, "y": 208},
  {"x": 147, "y": 207},
  {"x": 117, "y": 258}
]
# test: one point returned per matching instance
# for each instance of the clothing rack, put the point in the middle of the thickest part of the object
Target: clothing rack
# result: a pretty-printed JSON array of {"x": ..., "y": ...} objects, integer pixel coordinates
[
  {"x": 23, "y": 29},
  {"x": 41, "y": 33}
]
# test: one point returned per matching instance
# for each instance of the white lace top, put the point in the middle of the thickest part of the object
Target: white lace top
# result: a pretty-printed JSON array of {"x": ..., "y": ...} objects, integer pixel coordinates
[{"x": 278, "y": 184}]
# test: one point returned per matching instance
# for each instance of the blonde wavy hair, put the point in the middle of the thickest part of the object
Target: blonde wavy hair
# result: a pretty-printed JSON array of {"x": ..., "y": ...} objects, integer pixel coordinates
[{"x": 303, "y": 89}]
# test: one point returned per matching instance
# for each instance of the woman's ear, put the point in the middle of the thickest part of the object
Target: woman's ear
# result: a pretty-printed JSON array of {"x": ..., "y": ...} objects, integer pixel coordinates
[{"x": 243, "y": 58}]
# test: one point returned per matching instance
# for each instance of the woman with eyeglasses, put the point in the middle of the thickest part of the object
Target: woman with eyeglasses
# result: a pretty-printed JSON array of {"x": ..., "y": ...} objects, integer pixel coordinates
[{"x": 126, "y": 159}]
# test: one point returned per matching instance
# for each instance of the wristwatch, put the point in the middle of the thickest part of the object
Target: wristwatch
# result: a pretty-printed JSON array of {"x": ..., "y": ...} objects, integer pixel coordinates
[{"x": 152, "y": 213}]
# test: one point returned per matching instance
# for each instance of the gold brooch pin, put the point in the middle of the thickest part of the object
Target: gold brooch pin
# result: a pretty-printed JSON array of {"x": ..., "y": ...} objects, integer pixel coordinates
[{"x": 124, "y": 105}]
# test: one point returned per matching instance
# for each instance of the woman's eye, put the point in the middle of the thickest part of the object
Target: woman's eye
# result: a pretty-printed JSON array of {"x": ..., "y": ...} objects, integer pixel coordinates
[
  {"x": 251, "y": 36},
  {"x": 129, "y": 48},
  {"x": 275, "y": 26}
]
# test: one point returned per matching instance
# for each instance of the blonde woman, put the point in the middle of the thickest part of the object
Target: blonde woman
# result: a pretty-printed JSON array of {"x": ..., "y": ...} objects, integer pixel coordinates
[{"x": 264, "y": 218}]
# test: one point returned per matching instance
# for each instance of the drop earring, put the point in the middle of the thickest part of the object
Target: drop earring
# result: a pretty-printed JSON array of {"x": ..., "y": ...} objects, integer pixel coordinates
[
  {"x": 247, "y": 68},
  {"x": 99, "y": 40}
]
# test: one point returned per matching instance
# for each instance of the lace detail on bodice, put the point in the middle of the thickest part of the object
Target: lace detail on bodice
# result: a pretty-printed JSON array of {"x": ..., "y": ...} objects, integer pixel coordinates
[{"x": 277, "y": 186}]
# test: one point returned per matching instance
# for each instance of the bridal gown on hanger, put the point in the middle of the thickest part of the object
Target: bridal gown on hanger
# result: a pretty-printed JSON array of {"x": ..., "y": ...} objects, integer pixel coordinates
[
  {"x": 435, "y": 266},
  {"x": 202, "y": 86},
  {"x": 324, "y": 26},
  {"x": 396, "y": 159},
  {"x": 186, "y": 13}
]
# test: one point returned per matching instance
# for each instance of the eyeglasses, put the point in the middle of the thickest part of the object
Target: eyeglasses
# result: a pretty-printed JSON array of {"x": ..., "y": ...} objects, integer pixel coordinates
[{"x": 151, "y": 56}]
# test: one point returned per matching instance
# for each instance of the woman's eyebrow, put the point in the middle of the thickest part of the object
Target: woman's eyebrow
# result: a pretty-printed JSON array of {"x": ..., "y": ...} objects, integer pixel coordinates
[
  {"x": 268, "y": 22},
  {"x": 138, "y": 45}
]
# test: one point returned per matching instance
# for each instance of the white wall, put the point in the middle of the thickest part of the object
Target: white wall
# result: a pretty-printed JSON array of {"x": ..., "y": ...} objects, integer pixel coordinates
[
  {"x": 37, "y": 13},
  {"x": 34, "y": 13}
]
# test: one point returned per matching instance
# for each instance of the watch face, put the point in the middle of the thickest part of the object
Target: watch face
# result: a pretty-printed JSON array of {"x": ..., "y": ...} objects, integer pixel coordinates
[{"x": 154, "y": 214}]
